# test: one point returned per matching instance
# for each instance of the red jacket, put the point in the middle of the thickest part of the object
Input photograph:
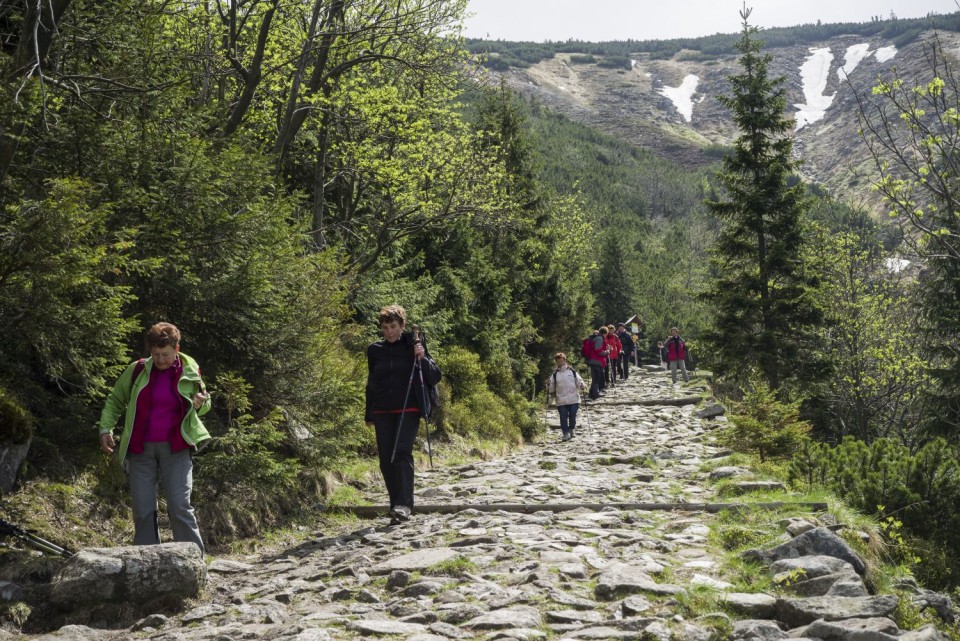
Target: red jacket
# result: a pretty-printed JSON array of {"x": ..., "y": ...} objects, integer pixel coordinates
[
  {"x": 614, "y": 345},
  {"x": 676, "y": 349}
]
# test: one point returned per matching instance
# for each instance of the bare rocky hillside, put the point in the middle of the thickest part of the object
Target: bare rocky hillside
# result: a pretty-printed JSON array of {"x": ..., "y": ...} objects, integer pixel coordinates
[{"x": 636, "y": 106}]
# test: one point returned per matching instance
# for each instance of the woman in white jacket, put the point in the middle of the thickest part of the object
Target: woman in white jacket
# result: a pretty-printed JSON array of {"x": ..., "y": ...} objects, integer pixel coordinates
[{"x": 565, "y": 385}]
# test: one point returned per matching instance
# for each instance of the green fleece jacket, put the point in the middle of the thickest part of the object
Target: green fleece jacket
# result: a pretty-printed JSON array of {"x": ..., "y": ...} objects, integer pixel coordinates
[{"x": 123, "y": 399}]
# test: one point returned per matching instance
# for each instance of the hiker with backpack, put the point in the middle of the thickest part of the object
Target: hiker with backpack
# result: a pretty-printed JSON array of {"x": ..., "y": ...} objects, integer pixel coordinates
[
  {"x": 565, "y": 385},
  {"x": 594, "y": 350},
  {"x": 628, "y": 348},
  {"x": 395, "y": 401},
  {"x": 677, "y": 355},
  {"x": 162, "y": 398}
]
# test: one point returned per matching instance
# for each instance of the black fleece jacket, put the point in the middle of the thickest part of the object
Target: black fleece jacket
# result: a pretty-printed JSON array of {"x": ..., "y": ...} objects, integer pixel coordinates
[{"x": 389, "y": 366}]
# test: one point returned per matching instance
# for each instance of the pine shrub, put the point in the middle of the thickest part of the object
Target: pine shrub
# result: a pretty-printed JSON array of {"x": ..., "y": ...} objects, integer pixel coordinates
[{"x": 765, "y": 426}]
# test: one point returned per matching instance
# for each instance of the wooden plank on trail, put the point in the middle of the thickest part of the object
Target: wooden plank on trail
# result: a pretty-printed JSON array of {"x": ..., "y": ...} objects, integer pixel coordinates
[
  {"x": 529, "y": 508},
  {"x": 685, "y": 400}
]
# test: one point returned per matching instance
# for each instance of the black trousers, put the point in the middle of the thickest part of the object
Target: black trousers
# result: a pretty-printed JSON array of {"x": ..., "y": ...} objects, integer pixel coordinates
[
  {"x": 596, "y": 381},
  {"x": 398, "y": 475}
]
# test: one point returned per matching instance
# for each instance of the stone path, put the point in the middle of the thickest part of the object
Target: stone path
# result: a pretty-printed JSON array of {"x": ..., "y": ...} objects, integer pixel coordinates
[{"x": 580, "y": 574}]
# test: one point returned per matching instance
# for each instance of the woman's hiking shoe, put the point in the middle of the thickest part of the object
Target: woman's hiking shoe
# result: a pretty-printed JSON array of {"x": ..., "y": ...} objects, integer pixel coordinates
[{"x": 400, "y": 513}]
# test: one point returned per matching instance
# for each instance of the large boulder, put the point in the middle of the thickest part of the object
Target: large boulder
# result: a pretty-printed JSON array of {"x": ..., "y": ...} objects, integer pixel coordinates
[
  {"x": 133, "y": 574},
  {"x": 12, "y": 456},
  {"x": 818, "y": 541}
]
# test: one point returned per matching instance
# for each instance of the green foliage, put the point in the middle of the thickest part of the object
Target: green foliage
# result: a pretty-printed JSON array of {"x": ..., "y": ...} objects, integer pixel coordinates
[
  {"x": 766, "y": 426},
  {"x": 760, "y": 288},
  {"x": 870, "y": 337},
  {"x": 16, "y": 423},
  {"x": 579, "y": 59},
  {"x": 916, "y": 494},
  {"x": 60, "y": 314},
  {"x": 240, "y": 468},
  {"x": 912, "y": 134}
]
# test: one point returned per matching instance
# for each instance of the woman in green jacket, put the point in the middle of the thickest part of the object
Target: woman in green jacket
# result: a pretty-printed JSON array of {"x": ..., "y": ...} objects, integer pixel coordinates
[{"x": 162, "y": 398}]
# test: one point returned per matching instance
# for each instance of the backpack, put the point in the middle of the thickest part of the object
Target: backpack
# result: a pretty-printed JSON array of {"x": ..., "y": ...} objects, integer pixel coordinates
[
  {"x": 431, "y": 393},
  {"x": 586, "y": 350}
]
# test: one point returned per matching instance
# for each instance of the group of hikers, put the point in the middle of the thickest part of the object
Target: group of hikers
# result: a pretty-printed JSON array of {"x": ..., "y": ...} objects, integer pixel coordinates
[
  {"x": 161, "y": 398},
  {"x": 608, "y": 352}
]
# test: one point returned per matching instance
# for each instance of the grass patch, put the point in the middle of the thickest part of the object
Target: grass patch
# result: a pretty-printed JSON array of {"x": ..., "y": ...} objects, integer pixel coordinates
[{"x": 455, "y": 567}]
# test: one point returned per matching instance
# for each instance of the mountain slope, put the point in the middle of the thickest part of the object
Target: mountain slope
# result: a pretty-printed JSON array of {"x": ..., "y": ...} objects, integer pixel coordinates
[{"x": 670, "y": 105}]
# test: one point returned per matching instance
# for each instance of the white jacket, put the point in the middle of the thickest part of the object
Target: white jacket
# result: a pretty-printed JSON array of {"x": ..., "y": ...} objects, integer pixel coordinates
[{"x": 567, "y": 384}]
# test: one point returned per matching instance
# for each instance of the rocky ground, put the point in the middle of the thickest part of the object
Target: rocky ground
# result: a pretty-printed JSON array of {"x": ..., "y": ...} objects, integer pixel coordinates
[{"x": 538, "y": 569}]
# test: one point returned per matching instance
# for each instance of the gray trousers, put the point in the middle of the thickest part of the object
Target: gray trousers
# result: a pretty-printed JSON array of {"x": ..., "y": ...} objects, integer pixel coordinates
[
  {"x": 174, "y": 471},
  {"x": 683, "y": 368}
]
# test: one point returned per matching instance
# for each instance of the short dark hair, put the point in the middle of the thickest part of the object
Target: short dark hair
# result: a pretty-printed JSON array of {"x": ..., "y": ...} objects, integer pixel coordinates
[
  {"x": 162, "y": 335},
  {"x": 392, "y": 313}
]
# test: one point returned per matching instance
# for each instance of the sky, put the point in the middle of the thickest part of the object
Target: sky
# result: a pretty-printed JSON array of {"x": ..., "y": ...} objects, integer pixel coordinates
[{"x": 600, "y": 20}]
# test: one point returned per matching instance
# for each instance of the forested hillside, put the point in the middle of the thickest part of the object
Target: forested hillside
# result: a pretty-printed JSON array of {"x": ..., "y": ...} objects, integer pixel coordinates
[{"x": 268, "y": 175}]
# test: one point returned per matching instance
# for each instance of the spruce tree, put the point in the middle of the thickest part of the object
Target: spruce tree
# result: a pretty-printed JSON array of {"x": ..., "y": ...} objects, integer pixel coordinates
[{"x": 759, "y": 288}]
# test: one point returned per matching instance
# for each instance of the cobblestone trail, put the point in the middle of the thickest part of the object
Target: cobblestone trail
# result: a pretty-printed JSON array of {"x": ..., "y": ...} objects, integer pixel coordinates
[{"x": 576, "y": 574}]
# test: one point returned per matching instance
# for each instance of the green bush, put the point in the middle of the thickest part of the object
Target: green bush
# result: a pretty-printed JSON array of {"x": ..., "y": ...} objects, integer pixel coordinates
[
  {"x": 16, "y": 423},
  {"x": 581, "y": 59},
  {"x": 765, "y": 426},
  {"x": 920, "y": 490}
]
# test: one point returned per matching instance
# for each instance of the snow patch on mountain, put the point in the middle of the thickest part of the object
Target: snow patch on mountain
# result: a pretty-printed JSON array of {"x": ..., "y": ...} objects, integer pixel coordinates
[
  {"x": 682, "y": 96},
  {"x": 855, "y": 54},
  {"x": 885, "y": 53},
  {"x": 814, "y": 73}
]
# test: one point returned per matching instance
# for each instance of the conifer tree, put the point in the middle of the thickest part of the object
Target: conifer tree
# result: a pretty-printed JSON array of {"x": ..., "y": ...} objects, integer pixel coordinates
[{"x": 759, "y": 288}]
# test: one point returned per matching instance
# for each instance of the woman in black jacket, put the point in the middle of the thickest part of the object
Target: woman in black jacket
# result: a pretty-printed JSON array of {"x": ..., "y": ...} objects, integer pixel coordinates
[{"x": 395, "y": 403}]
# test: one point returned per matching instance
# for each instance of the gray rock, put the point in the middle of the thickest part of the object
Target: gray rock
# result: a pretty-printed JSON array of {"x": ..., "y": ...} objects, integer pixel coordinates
[
  {"x": 423, "y": 588},
  {"x": 818, "y": 541},
  {"x": 12, "y": 456},
  {"x": 620, "y": 579},
  {"x": 574, "y": 616},
  {"x": 729, "y": 471},
  {"x": 136, "y": 573},
  {"x": 811, "y": 567},
  {"x": 226, "y": 566},
  {"x": 634, "y": 605},
  {"x": 797, "y": 612},
  {"x": 155, "y": 621},
  {"x": 941, "y": 604},
  {"x": 822, "y": 585},
  {"x": 710, "y": 411},
  {"x": 870, "y": 629},
  {"x": 416, "y": 561},
  {"x": 398, "y": 579},
  {"x": 742, "y": 487},
  {"x": 755, "y": 630},
  {"x": 77, "y": 633},
  {"x": 756, "y": 605},
  {"x": 848, "y": 585},
  {"x": 926, "y": 633},
  {"x": 386, "y": 626},
  {"x": 519, "y": 616},
  {"x": 10, "y": 592}
]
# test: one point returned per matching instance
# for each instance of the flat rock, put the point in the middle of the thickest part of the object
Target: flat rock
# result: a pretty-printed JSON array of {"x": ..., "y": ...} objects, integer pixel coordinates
[
  {"x": 797, "y": 612},
  {"x": 756, "y": 630},
  {"x": 416, "y": 561},
  {"x": 620, "y": 579},
  {"x": 870, "y": 629},
  {"x": 520, "y": 616},
  {"x": 386, "y": 626},
  {"x": 756, "y": 605}
]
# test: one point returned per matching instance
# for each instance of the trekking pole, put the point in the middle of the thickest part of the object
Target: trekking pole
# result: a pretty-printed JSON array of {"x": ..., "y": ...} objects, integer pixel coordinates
[
  {"x": 406, "y": 399},
  {"x": 34, "y": 541}
]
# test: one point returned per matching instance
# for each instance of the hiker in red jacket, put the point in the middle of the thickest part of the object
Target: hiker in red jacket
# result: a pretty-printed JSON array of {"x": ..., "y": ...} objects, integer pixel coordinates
[{"x": 677, "y": 355}]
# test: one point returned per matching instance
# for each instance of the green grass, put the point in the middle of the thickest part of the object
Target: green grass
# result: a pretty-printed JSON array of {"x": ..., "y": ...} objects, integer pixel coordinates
[{"x": 455, "y": 567}]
